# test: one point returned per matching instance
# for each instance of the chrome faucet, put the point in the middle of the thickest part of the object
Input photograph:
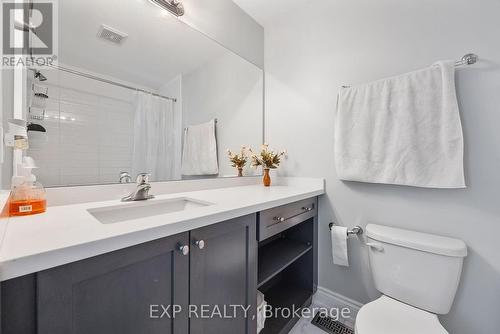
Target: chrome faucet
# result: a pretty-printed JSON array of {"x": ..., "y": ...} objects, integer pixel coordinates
[
  {"x": 125, "y": 177},
  {"x": 141, "y": 193}
]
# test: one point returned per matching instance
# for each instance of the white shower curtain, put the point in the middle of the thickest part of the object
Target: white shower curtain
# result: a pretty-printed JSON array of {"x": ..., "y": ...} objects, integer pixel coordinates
[{"x": 155, "y": 133}]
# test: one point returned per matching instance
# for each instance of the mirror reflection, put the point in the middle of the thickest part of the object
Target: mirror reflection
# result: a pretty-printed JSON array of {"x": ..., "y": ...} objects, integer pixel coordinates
[{"x": 138, "y": 91}]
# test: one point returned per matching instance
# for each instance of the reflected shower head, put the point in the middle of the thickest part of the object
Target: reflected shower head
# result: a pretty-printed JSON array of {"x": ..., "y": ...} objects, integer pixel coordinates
[{"x": 40, "y": 76}]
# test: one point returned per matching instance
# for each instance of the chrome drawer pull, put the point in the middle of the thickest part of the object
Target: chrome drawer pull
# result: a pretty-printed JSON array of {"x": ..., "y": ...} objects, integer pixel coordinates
[{"x": 279, "y": 219}]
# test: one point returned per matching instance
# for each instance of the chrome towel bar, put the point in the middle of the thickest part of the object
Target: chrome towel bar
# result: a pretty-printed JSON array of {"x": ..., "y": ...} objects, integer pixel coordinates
[
  {"x": 468, "y": 59},
  {"x": 356, "y": 230}
]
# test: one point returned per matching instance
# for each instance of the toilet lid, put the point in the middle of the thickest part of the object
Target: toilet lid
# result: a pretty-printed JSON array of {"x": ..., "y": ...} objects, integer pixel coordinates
[{"x": 389, "y": 316}]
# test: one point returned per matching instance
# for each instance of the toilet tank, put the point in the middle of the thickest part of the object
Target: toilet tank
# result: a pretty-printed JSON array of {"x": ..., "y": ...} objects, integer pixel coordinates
[{"x": 419, "y": 269}]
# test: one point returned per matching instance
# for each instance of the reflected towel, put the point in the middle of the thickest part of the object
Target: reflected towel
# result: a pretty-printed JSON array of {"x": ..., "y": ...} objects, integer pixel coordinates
[
  {"x": 403, "y": 130},
  {"x": 199, "y": 154}
]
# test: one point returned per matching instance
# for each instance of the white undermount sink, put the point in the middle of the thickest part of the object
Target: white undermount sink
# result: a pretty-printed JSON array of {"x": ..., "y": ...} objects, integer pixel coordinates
[{"x": 142, "y": 209}]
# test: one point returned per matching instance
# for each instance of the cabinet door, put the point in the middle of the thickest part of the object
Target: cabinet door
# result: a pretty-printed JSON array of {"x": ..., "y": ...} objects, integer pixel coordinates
[
  {"x": 117, "y": 293},
  {"x": 224, "y": 277}
]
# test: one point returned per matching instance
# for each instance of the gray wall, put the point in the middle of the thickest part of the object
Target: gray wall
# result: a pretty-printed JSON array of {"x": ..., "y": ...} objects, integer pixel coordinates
[
  {"x": 228, "y": 24},
  {"x": 323, "y": 44}
]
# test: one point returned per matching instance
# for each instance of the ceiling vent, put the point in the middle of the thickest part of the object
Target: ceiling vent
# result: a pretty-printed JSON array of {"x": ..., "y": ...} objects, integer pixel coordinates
[{"x": 111, "y": 35}]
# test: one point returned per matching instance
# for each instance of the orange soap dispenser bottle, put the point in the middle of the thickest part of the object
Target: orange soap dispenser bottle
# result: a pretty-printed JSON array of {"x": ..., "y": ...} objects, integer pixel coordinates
[{"x": 27, "y": 196}]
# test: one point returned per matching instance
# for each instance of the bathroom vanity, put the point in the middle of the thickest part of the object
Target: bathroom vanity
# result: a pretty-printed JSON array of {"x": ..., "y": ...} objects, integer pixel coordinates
[{"x": 216, "y": 255}]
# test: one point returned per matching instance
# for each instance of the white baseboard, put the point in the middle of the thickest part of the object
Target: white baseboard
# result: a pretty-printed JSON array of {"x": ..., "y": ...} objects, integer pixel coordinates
[{"x": 328, "y": 298}]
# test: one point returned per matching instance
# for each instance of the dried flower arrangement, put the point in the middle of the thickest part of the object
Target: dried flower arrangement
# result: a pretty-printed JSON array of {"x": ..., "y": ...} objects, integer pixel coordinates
[
  {"x": 238, "y": 160},
  {"x": 266, "y": 158}
]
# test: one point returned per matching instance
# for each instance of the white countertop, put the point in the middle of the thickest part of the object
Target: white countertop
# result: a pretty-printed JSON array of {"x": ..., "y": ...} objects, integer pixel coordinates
[{"x": 70, "y": 233}]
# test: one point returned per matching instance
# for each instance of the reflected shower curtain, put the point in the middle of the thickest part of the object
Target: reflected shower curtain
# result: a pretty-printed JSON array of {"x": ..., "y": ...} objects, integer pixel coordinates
[{"x": 155, "y": 132}]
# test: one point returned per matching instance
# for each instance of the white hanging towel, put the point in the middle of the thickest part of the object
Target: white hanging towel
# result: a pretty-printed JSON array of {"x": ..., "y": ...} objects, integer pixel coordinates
[
  {"x": 199, "y": 154},
  {"x": 403, "y": 130}
]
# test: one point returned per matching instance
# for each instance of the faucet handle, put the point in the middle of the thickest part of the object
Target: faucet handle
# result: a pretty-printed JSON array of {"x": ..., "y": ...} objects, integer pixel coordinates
[
  {"x": 143, "y": 178},
  {"x": 125, "y": 177}
]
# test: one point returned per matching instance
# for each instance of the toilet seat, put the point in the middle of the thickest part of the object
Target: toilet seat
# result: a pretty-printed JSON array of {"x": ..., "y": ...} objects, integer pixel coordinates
[{"x": 389, "y": 316}]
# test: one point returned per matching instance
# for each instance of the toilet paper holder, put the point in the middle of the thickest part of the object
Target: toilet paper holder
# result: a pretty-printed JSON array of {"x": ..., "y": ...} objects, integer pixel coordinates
[{"x": 356, "y": 230}]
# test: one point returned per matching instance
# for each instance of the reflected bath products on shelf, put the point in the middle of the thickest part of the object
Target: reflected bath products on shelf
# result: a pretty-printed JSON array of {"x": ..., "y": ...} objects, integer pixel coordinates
[{"x": 39, "y": 96}]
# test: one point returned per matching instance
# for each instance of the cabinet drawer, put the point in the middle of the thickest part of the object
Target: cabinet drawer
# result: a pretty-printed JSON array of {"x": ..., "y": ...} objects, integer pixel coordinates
[{"x": 277, "y": 220}]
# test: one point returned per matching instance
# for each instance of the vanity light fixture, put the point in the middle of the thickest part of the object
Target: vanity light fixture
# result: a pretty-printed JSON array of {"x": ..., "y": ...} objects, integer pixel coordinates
[{"x": 173, "y": 6}]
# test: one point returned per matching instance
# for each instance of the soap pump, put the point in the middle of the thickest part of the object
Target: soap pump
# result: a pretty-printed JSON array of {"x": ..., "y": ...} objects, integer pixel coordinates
[{"x": 27, "y": 196}]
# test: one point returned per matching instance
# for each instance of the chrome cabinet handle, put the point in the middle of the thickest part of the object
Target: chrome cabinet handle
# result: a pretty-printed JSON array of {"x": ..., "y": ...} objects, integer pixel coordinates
[
  {"x": 279, "y": 219},
  {"x": 184, "y": 249},
  {"x": 200, "y": 244}
]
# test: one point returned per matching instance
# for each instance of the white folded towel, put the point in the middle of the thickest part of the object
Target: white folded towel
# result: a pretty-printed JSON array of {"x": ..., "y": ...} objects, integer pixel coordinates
[
  {"x": 199, "y": 154},
  {"x": 403, "y": 130}
]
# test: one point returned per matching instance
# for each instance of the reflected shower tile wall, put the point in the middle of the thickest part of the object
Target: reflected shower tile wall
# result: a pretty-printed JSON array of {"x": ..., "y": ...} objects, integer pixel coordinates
[{"x": 90, "y": 132}]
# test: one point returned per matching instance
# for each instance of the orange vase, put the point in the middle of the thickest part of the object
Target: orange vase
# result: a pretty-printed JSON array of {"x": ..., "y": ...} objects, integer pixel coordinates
[{"x": 267, "y": 178}]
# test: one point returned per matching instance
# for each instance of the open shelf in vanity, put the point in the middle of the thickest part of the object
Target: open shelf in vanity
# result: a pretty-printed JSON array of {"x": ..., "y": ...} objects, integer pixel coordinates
[
  {"x": 287, "y": 261},
  {"x": 277, "y": 255}
]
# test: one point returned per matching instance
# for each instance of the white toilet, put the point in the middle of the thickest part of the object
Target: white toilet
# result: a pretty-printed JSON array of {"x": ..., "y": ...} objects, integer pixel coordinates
[{"x": 418, "y": 274}]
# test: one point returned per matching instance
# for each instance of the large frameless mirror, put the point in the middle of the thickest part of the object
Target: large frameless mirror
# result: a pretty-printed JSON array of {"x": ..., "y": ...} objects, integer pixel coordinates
[{"x": 136, "y": 90}]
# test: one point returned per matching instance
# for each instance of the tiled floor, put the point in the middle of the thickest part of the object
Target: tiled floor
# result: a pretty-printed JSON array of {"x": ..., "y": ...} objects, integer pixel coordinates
[{"x": 304, "y": 326}]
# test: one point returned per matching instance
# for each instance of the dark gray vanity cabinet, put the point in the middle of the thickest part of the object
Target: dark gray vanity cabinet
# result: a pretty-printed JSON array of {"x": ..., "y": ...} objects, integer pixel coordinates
[
  {"x": 224, "y": 277},
  {"x": 117, "y": 293},
  {"x": 133, "y": 290},
  {"x": 213, "y": 285}
]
